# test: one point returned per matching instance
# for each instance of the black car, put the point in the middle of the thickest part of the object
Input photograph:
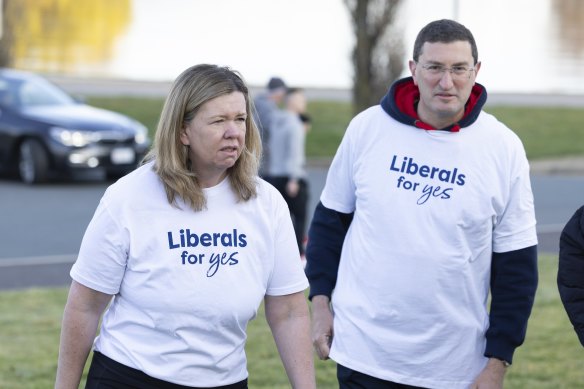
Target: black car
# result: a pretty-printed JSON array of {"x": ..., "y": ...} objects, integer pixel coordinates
[{"x": 44, "y": 132}]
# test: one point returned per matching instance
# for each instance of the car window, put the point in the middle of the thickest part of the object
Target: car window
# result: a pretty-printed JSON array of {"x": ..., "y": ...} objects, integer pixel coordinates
[
  {"x": 40, "y": 92},
  {"x": 7, "y": 94}
]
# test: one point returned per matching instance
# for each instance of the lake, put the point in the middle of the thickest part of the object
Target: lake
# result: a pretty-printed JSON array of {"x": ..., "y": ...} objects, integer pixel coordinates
[{"x": 526, "y": 46}]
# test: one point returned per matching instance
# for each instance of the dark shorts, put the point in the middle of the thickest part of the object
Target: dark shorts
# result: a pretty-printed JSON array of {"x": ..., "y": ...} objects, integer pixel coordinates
[
  {"x": 105, "y": 373},
  {"x": 352, "y": 379}
]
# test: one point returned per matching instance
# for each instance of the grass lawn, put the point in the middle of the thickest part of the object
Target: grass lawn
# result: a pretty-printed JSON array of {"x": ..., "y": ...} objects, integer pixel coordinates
[
  {"x": 29, "y": 334},
  {"x": 545, "y": 132}
]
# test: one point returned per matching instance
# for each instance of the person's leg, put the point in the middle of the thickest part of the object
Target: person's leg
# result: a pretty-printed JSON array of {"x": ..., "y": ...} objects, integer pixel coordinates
[
  {"x": 302, "y": 213},
  {"x": 298, "y": 207},
  {"x": 352, "y": 379}
]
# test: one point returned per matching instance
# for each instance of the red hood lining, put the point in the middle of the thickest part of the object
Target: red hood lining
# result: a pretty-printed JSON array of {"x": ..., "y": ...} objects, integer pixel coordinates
[{"x": 407, "y": 96}]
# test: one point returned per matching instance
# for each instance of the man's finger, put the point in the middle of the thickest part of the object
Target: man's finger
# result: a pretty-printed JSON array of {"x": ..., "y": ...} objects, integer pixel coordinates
[{"x": 322, "y": 346}]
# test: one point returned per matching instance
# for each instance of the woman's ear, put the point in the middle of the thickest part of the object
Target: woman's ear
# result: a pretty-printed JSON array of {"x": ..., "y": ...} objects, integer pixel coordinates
[{"x": 184, "y": 138}]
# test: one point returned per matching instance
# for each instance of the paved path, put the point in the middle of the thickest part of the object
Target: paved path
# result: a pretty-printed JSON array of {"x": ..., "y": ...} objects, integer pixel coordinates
[{"x": 41, "y": 227}]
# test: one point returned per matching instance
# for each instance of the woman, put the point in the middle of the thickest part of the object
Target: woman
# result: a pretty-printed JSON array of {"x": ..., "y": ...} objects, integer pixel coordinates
[{"x": 188, "y": 245}]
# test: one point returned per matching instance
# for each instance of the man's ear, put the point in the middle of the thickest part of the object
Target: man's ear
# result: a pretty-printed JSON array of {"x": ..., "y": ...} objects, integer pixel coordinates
[
  {"x": 413, "y": 66},
  {"x": 477, "y": 68}
]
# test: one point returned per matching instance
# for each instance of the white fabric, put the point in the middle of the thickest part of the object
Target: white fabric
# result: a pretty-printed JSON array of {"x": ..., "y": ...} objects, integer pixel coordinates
[
  {"x": 430, "y": 208},
  {"x": 186, "y": 283}
]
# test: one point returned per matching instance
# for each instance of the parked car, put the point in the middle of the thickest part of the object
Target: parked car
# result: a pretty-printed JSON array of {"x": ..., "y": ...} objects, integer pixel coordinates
[{"x": 45, "y": 132}]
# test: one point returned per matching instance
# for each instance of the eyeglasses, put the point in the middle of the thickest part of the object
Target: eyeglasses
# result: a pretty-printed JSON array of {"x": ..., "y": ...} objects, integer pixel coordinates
[{"x": 458, "y": 71}]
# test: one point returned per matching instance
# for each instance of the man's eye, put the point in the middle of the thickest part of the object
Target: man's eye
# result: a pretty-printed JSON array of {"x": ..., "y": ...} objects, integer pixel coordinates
[
  {"x": 434, "y": 68},
  {"x": 459, "y": 69}
]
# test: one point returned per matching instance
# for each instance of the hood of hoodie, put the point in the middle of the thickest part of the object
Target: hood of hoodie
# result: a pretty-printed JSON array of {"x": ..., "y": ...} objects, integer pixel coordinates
[{"x": 402, "y": 98}]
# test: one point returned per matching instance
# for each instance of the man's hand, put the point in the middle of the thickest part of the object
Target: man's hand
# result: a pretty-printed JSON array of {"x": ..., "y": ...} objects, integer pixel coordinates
[
  {"x": 322, "y": 326},
  {"x": 492, "y": 375}
]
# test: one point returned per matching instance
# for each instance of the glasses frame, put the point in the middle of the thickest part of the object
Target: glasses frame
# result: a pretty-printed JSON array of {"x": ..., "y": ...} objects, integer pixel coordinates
[{"x": 441, "y": 70}]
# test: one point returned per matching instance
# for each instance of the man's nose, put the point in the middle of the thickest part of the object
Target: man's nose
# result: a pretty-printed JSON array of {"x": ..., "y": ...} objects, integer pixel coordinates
[{"x": 446, "y": 80}]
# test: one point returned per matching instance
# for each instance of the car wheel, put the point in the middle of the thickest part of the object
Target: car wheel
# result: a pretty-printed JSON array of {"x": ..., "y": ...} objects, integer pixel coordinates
[{"x": 33, "y": 162}]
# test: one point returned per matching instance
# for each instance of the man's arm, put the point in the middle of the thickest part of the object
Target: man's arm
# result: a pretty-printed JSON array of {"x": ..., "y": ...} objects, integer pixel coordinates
[
  {"x": 325, "y": 241},
  {"x": 323, "y": 252},
  {"x": 513, "y": 284}
]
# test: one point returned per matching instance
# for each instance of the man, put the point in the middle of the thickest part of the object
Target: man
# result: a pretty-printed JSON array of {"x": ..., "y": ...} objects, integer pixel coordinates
[
  {"x": 427, "y": 207},
  {"x": 571, "y": 271},
  {"x": 266, "y": 105},
  {"x": 286, "y": 171}
]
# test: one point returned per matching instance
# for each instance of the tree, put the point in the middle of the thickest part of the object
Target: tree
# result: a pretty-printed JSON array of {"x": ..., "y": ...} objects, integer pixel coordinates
[
  {"x": 378, "y": 53},
  {"x": 58, "y": 35},
  {"x": 6, "y": 38}
]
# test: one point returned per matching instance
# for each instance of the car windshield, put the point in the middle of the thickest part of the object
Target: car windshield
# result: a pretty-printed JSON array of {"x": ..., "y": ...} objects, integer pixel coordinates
[{"x": 18, "y": 93}]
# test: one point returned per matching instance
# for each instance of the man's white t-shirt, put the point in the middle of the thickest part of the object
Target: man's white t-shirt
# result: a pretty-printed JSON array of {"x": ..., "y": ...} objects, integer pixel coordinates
[
  {"x": 186, "y": 283},
  {"x": 430, "y": 209}
]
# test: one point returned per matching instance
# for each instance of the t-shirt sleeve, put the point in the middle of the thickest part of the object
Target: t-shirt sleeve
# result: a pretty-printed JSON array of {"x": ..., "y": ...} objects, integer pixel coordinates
[
  {"x": 515, "y": 227},
  {"x": 103, "y": 254},
  {"x": 288, "y": 275},
  {"x": 339, "y": 190}
]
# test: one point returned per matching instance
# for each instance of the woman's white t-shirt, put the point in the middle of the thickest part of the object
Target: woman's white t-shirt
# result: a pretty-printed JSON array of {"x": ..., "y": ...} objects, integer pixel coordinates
[{"x": 186, "y": 283}]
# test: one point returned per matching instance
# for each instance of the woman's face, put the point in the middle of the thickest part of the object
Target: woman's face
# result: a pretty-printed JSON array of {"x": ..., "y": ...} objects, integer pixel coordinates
[{"x": 216, "y": 137}]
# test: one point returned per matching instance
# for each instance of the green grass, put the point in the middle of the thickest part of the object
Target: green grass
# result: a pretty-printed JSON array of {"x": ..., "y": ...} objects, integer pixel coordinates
[
  {"x": 329, "y": 122},
  {"x": 30, "y": 320},
  {"x": 545, "y": 132},
  {"x": 145, "y": 110}
]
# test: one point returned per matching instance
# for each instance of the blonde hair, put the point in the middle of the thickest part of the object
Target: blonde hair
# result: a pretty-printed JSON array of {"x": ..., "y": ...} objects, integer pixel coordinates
[{"x": 193, "y": 88}]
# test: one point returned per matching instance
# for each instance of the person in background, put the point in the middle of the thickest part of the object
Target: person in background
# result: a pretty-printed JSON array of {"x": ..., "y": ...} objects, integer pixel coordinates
[
  {"x": 184, "y": 249},
  {"x": 286, "y": 168},
  {"x": 427, "y": 208},
  {"x": 267, "y": 104},
  {"x": 571, "y": 271}
]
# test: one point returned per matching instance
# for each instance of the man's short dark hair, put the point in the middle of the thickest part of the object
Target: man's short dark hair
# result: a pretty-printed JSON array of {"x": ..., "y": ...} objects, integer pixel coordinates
[
  {"x": 276, "y": 83},
  {"x": 444, "y": 31}
]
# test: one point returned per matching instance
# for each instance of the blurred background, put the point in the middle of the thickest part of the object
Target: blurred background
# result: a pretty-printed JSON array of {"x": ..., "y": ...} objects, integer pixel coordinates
[
  {"x": 526, "y": 46},
  {"x": 121, "y": 55}
]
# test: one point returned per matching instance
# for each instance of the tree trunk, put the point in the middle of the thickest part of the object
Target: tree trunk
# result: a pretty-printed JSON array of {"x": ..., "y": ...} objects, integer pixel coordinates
[
  {"x": 378, "y": 52},
  {"x": 6, "y": 39}
]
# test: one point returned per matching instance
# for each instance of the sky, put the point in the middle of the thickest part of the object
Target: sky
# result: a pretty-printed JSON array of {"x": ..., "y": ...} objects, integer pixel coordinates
[{"x": 309, "y": 42}]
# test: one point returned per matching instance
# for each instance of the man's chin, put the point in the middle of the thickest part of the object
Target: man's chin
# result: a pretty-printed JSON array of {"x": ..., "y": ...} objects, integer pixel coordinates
[{"x": 450, "y": 112}]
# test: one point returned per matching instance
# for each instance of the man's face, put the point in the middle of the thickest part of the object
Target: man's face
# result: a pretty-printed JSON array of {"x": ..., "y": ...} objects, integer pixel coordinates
[{"x": 443, "y": 94}]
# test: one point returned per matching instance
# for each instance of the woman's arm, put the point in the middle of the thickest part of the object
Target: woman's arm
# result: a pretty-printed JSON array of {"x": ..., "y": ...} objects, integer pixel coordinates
[
  {"x": 80, "y": 320},
  {"x": 289, "y": 321}
]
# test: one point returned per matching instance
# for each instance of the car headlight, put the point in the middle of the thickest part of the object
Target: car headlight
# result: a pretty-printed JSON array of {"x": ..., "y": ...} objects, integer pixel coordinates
[
  {"x": 141, "y": 136},
  {"x": 74, "y": 138}
]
